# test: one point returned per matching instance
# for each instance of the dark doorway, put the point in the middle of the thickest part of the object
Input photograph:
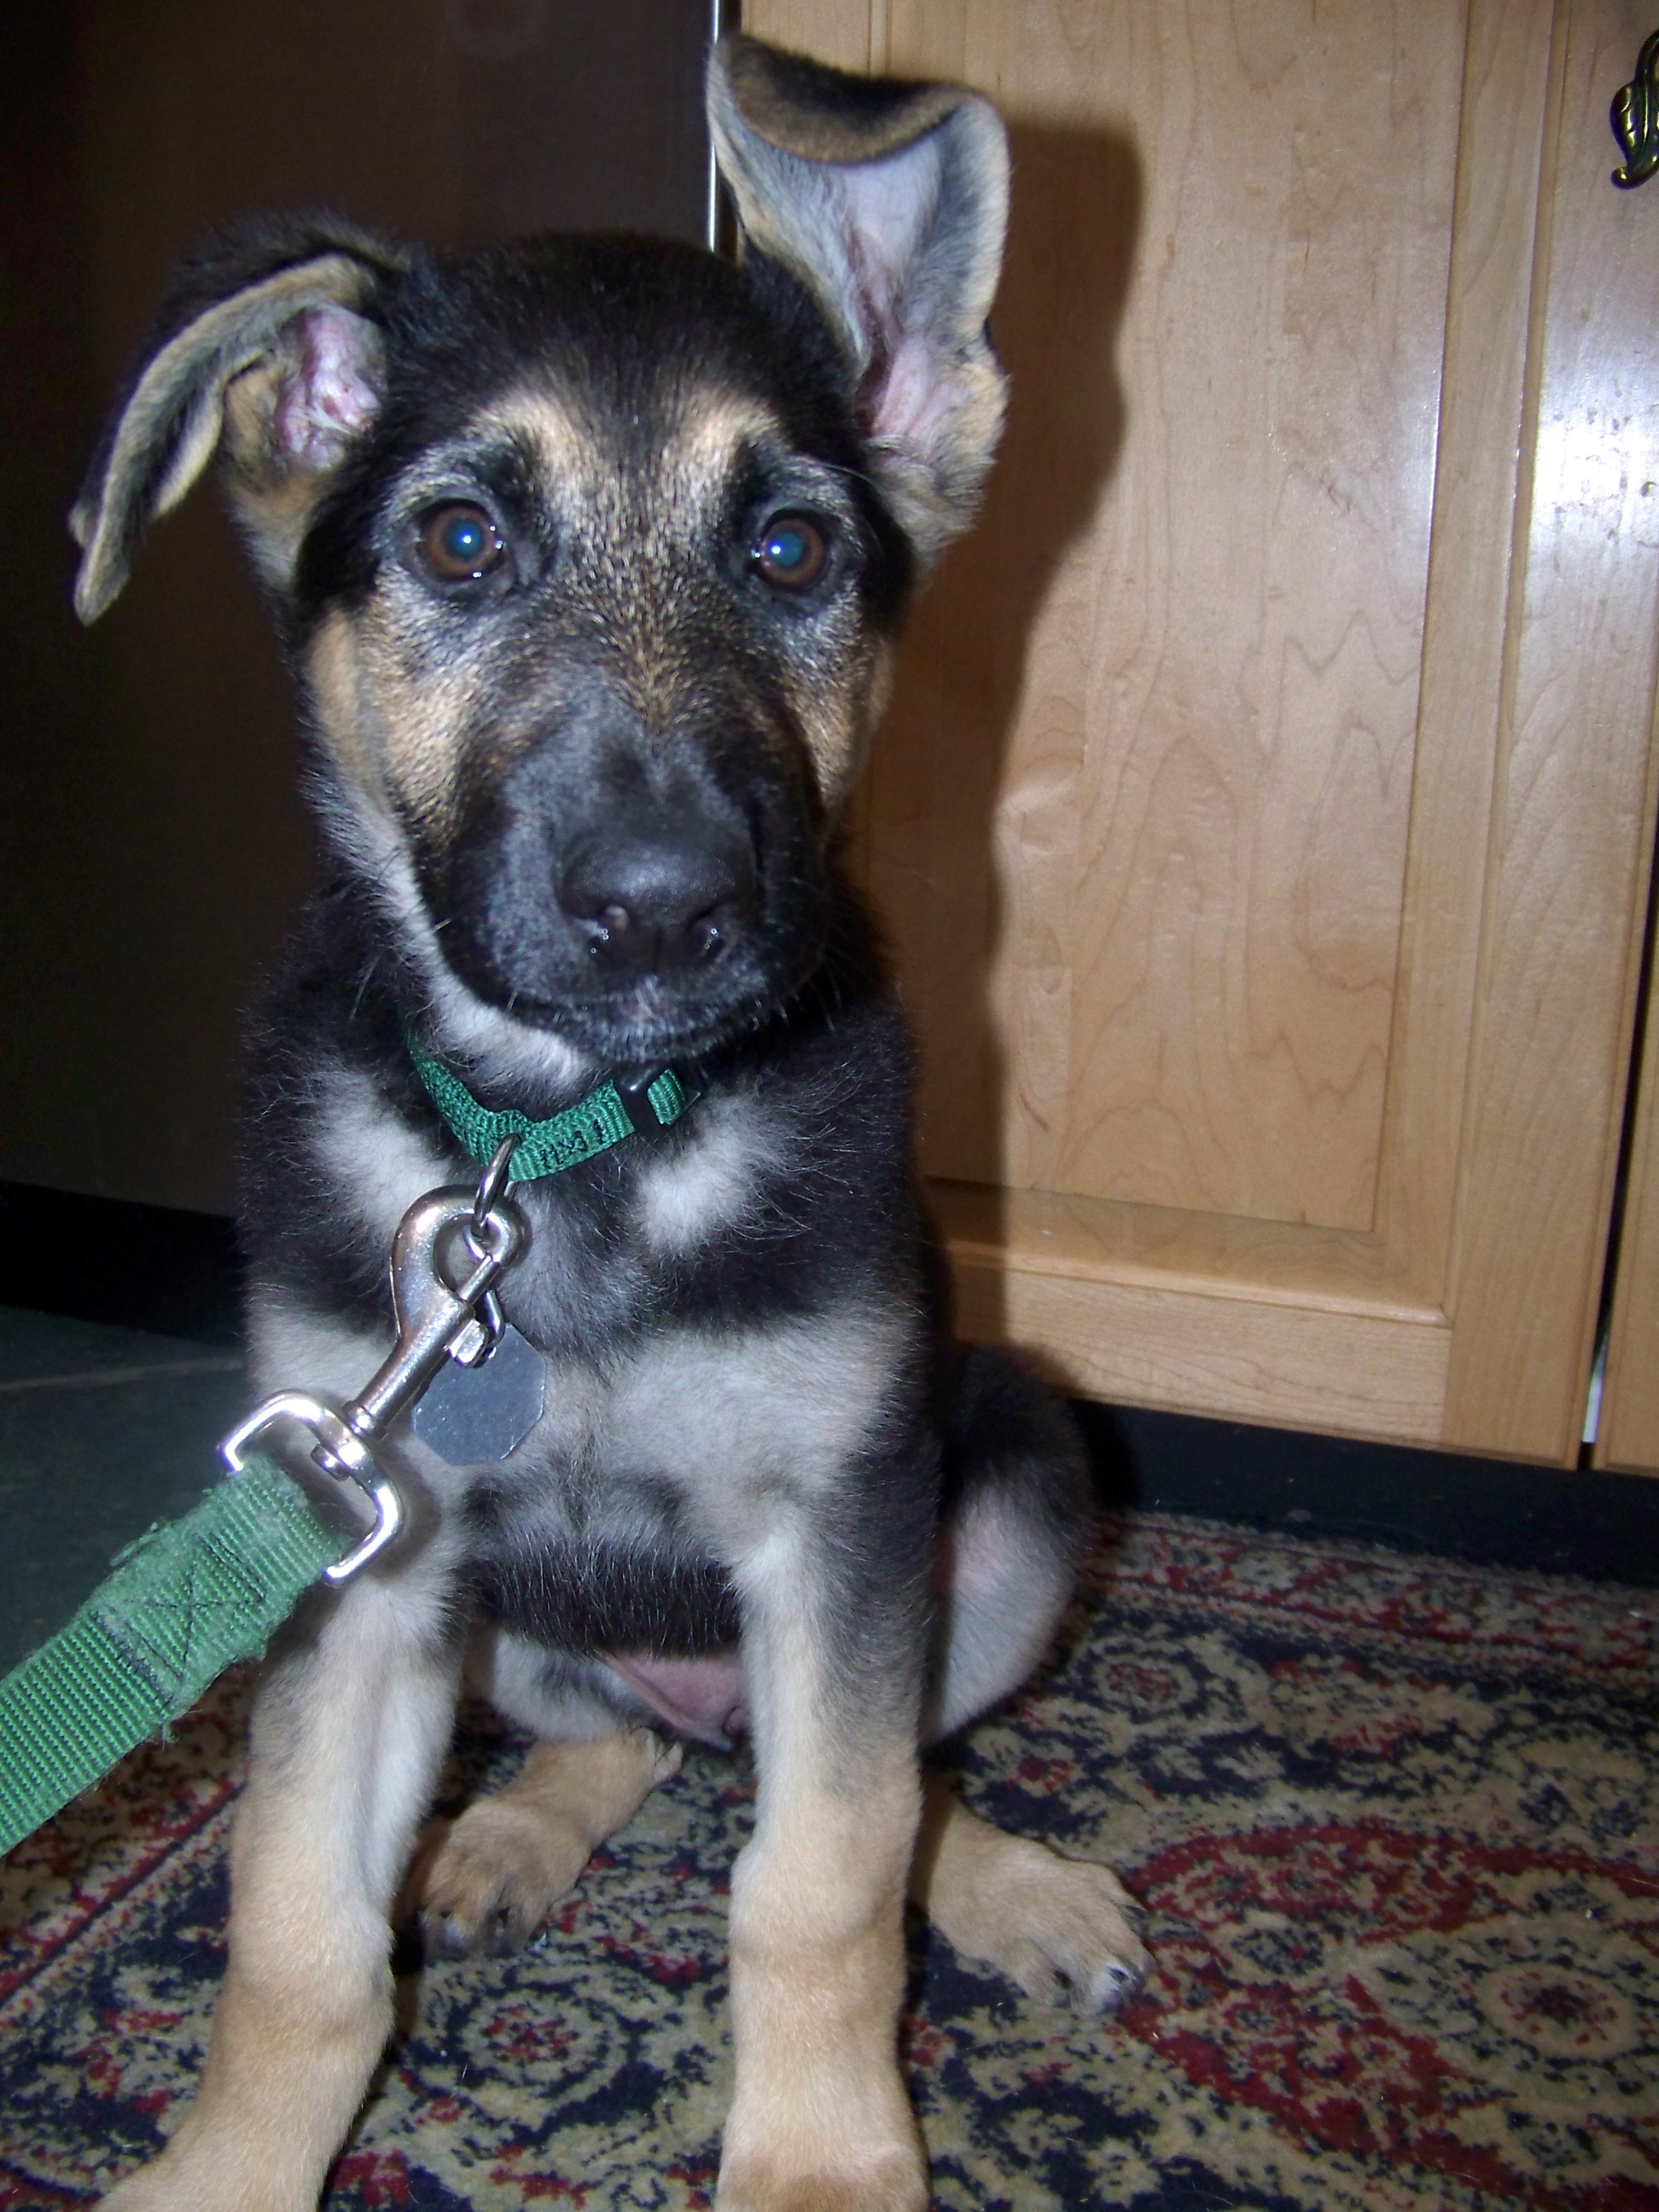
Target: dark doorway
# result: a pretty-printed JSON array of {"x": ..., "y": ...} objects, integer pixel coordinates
[{"x": 153, "y": 845}]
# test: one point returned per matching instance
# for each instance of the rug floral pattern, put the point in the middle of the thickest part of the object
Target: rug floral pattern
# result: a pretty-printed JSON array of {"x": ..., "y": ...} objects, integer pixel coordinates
[{"x": 1395, "y": 1821}]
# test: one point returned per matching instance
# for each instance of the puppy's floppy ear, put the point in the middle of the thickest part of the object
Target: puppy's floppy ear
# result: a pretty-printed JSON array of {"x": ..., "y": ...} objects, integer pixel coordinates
[
  {"x": 889, "y": 200},
  {"x": 268, "y": 346}
]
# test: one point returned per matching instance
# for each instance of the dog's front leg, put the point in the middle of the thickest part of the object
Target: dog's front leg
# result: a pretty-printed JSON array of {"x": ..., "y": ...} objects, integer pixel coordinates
[
  {"x": 820, "y": 2121},
  {"x": 348, "y": 1729}
]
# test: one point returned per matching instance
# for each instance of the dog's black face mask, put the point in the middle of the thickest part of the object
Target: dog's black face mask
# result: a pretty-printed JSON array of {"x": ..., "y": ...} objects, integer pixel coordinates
[
  {"x": 614, "y": 587},
  {"x": 590, "y": 554}
]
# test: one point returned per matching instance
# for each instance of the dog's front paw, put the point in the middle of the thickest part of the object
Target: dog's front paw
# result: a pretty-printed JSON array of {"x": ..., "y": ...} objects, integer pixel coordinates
[
  {"x": 490, "y": 1883},
  {"x": 147, "y": 2191},
  {"x": 813, "y": 2129},
  {"x": 1047, "y": 1922},
  {"x": 1063, "y": 1928}
]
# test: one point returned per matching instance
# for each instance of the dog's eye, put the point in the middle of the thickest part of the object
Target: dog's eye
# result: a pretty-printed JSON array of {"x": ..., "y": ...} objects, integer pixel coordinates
[
  {"x": 459, "y": 543},
  {"x": 790, "y": 552}
]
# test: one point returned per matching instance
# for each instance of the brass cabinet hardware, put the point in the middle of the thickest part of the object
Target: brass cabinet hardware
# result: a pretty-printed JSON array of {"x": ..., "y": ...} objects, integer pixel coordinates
[{"x": 1634, "y": 117}]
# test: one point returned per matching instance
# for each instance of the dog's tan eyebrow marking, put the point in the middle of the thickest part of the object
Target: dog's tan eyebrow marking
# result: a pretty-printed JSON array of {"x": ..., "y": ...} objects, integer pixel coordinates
[
  {"x": 713, "y": 430},
  {"x": 705, "y": 433},
  {"x": 489, "y": 460},
  {"x": 536, "y": 418}
]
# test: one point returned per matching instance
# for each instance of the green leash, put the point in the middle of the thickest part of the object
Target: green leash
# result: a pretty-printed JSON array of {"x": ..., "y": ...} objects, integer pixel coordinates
[
  {"x": 184, "y": 1603},
  {"x": 193, "y": 1596}
]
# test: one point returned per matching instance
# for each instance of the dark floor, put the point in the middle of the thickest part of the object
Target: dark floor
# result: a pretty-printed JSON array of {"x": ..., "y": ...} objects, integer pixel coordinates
[
  {"x": 119, "y": 1370},
  {"x": 102, "y": 1430}
]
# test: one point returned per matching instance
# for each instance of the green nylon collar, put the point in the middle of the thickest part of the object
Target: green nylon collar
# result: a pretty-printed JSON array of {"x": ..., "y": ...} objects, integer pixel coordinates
[{"x": 615, "y": 1110}]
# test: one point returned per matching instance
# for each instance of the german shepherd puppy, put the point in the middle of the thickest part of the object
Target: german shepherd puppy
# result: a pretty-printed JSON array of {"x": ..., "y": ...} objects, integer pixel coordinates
[{"x": 590, "y": 557}]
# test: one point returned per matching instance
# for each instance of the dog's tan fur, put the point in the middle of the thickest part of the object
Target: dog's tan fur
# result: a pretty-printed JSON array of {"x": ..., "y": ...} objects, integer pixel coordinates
[
  {"x": 335, "y": 1791},
  {"x": 334, "y": 667},
  {"x": 1022, "y": 1908},
  {"x": 494, "y": 1876}
]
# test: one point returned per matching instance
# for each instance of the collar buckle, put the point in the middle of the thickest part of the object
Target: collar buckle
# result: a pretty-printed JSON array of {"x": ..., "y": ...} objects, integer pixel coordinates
[{"x": 637, "y": 1103}]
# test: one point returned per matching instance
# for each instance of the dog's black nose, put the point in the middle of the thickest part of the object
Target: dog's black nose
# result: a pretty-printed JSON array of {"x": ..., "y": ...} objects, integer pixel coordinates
[{"x": 657, "y": 901}]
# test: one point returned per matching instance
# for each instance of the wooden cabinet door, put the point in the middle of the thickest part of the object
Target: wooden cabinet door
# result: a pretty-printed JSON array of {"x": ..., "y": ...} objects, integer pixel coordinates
[{"x": 1264, "y": 813}]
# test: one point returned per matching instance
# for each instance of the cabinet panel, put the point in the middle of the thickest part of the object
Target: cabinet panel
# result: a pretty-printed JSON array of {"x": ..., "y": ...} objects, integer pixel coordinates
[
  {"x": 1572, "y": 823},
  {"x": 1144, "y": 1305},
  {"x": 1184, "y": 645},
  {"x": 1261, "y": 814}
]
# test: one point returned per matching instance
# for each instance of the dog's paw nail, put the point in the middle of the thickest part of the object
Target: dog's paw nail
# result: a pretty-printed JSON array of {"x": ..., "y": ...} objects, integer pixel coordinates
[
  {"x": 1114, "y": 1985},
  {"x": 494, "y": 1935},
  {"x": 445, "y": 1937},
  {"x": 507, "y": 1934}
]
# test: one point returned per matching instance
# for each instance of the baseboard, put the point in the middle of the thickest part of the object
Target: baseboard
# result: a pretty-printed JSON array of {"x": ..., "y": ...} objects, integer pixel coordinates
[
  {"x": 1491, "y": 1513},
  {"x": 105, "y": 1259}
]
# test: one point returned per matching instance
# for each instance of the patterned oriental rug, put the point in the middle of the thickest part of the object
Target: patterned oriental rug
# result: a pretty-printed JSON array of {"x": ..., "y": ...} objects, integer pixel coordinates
[{"x": 1395, "y": 1820}]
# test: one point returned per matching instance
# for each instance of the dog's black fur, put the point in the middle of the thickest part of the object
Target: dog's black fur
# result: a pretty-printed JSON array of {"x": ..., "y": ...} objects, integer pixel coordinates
[{"x": 590, "y": 557}]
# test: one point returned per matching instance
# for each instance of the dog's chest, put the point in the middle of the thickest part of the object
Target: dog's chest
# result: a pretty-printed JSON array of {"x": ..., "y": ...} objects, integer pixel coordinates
[
  {"x": 659, "y": 1480},
  {"x": 705, "y": 1436},
  {"x": 697, "y": 1356}
]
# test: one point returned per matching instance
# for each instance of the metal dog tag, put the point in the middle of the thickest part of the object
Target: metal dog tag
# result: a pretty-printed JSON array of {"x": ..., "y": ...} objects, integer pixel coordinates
[{"x": 483, "y": 1413}]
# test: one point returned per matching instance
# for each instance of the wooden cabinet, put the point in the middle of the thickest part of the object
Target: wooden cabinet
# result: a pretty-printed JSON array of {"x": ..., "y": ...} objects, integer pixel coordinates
[{"x": 1265, "y": 813}]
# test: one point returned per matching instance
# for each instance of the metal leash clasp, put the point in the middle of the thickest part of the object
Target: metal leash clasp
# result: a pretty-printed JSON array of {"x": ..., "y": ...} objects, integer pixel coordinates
[{"x": 475, "y": 1233}]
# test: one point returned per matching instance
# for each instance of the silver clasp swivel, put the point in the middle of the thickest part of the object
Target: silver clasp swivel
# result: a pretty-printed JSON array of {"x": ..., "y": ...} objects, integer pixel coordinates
[
  {"x": 334, "y": 1447},
  {"x": 474, "y": 1231}
]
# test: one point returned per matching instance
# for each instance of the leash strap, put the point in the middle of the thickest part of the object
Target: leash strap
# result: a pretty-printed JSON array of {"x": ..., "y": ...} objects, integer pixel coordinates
[
  {"x": 195, "y": 1595},
  {"x": 581, "y": 1132},
  {"x": 186, "y": 1602}
]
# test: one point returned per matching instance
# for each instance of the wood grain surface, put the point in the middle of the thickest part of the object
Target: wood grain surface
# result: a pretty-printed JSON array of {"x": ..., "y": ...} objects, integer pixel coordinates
[
  {"x": 1572, "y": 833},
  {"x": 1264, "y": 814}
]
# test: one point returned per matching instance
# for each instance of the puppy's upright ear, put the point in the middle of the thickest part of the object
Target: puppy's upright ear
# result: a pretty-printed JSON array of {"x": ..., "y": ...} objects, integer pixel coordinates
[
  {"x": 889, "y": 200},
  {"x": 268, "y": 347}
]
